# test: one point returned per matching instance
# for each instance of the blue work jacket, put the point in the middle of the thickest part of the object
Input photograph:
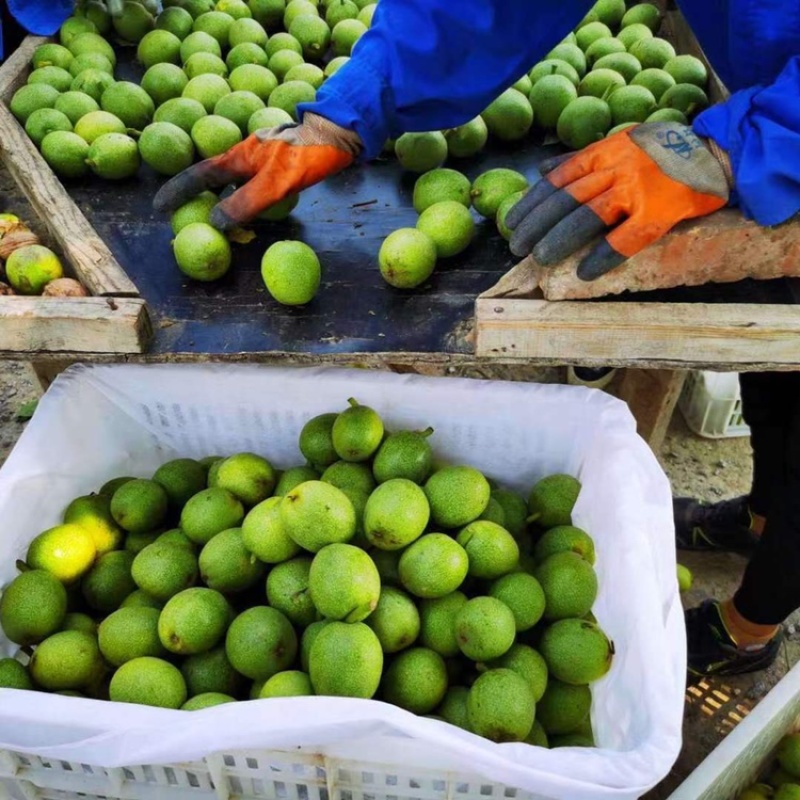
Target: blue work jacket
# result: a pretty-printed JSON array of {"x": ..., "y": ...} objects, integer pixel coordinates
[{"x": 432, "y": 64}]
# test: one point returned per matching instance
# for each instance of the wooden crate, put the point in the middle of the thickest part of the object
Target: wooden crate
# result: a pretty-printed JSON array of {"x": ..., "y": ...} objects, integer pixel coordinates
[
  {"x": 114, "y": 319},
  {"x": 515, "y": 321}
]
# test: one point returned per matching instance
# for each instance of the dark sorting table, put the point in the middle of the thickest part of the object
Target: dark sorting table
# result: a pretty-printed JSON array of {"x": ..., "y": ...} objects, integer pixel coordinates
[
  {"x": 344, "y": 220},
  {"x": 123, "y": 251}
]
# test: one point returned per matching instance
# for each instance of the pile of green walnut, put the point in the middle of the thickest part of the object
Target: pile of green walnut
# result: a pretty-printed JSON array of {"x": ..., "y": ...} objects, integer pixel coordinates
[
  {"x": 211, "y": 74},
  {"x": 369, "y": 571},
  {"x": 613, "y": 71},
  {"x": 781, "y": 778},
  {"x": 445, "y": 227}
]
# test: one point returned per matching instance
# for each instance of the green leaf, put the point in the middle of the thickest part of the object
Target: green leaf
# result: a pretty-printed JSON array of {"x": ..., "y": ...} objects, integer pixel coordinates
[{"x": 26, "y": 410}]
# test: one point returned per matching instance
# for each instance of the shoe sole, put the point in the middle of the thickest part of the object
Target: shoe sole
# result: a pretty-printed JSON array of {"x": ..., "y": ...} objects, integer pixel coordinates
[
  {"x": 707, "y": 546},
  {"x": 710, "y": 548},
  {"x": 757, "y": 665}
]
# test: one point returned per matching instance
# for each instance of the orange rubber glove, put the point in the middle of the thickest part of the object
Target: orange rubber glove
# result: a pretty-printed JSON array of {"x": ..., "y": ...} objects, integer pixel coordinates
[
  {"x": 271, "y": 163},
  {"x": 643, "y": 180}
]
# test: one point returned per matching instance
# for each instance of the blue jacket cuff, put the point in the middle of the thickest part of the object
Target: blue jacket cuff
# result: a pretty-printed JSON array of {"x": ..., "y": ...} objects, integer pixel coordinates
[{"x": 355, "y": 98}]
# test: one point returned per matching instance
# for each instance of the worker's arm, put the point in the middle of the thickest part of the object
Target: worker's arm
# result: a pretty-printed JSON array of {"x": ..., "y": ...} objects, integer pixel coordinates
[
  {"x": 430, "y": 64},
  {"x": 759, "y": 128},
  {"x": 424, "y": 65},
  {"x": 42, "y": 17}
]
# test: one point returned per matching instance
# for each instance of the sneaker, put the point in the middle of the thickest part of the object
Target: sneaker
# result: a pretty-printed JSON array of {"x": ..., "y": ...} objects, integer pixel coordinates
[
  {"x": 712, "y": 651},
  {"x": 717, "y": 526},
  {"x": 594, "y": 378}
]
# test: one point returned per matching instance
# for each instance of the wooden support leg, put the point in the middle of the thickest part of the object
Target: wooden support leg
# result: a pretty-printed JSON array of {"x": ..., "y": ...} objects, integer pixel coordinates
[
  {"x": 651, "y": 395},
  {"x": 47, "y": 371}
]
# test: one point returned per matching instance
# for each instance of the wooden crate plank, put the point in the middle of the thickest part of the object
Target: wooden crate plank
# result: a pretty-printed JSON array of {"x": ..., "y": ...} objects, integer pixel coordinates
[
  {"x": 14, "y": 70},
  {"x": 75, "y": 325},
  {"x": 85, "y": 251},
  {"x": 47, "y": 370},
  {"x": 725, "y": 336}
]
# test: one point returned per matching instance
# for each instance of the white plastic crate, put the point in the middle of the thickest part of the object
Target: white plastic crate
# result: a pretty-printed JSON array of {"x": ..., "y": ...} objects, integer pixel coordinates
[
  {"x": 743, "y": 754},
  {"x": 96, "y": 422},
  {"x": 244, "y": 775},
  {"x": 711, "y": 404}
]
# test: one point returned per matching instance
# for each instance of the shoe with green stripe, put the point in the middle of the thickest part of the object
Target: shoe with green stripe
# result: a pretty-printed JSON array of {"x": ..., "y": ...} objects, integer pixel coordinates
[
  {"x": 726, "y": 525},
  {"x": 712, "y": 650}
]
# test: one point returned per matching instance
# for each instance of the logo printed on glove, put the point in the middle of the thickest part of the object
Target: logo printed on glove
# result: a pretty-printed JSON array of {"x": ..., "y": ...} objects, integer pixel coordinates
[
  {"x": 639, "y": 183},
  {"x": 683, "y": 145}
]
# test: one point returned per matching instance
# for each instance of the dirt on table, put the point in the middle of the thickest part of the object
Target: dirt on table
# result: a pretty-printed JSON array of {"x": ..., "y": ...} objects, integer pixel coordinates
[{"x": 707, "y": 469}]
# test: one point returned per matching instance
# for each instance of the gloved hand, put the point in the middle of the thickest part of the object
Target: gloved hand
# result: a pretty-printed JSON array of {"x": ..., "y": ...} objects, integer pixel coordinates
[
  {"x": 271, "y": 163},
  {"x": 643, "y": 180}
]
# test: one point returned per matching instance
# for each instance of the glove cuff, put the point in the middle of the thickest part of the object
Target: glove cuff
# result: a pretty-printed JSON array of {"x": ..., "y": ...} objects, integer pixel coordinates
[
  {"x": 320, "y": 130},
  {"x": 724, "y": 160}
]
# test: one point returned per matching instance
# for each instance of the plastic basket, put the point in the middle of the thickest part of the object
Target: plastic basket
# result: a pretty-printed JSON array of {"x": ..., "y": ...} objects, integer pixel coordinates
[
  {"x": 255, "y": 775},
  {"x": 99, "y": 421},
  {"x": 711, "y": 404},
  {"x": 742, "y": 755}
]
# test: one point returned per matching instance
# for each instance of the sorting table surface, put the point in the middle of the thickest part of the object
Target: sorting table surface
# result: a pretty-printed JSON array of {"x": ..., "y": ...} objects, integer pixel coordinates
[{"x": 344, "y": 220}]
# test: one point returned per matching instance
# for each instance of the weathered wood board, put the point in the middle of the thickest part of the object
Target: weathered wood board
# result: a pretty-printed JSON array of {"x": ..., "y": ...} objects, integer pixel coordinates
[
  {"x": 113, "y": 321},
  {"x": 83, "y": 325},
  {"x": 721, "y": 336}
]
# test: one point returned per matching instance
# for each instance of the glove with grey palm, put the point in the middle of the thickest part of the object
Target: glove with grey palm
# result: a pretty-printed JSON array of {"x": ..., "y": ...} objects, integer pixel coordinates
[
  {"x": 640, "y": 182},
  {"x": 271, "y": 164}
]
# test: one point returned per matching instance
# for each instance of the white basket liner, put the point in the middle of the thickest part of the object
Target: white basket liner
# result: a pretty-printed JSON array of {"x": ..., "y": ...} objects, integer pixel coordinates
[{"x": 97, "y": 422}]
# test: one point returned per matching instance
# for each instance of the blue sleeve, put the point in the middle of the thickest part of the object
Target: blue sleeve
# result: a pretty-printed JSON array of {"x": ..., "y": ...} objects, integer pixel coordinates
[
  {"x": 42, "y": 17},
  {"x": 432, "y": 64},
  {"x": 760, "y": 129}
]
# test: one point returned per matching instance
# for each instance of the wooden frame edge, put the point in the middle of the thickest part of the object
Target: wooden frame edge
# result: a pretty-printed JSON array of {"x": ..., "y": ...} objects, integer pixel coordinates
[
  {"x": 89, "y": 256},
  {"x": 725, "y": 336},
  {"x": 49, "y": 326}
]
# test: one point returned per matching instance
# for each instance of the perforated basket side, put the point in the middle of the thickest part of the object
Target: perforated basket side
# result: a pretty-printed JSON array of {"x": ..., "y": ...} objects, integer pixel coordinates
[
  {"x": 711, "y": 404},
  {"x": 741, "y": 756},
  {"x": 736, "y": 425},
  {"x": 244, "y": 775},
  {"x": 29, "y": 776}
]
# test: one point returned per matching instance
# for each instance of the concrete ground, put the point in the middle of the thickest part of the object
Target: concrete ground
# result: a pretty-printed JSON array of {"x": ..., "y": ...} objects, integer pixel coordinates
[
  {"x": 709, "y": 470},
  {"x": 713, "y": 470}
]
